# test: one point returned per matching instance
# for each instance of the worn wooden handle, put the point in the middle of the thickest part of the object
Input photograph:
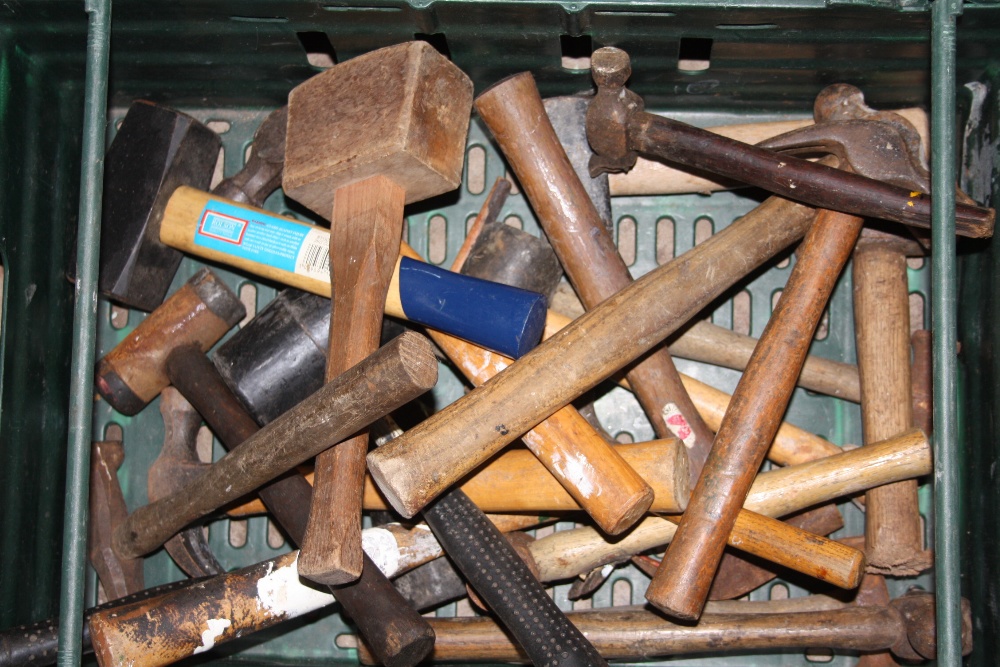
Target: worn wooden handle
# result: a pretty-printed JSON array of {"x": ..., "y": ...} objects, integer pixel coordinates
[
  {"x": 893, "y": 531},
  {"x": 680, "y": 587},
  {"x": 710, "y": 343},
  {"x": 395, "y": 374},
  {"x": 639, "y": 634},
  {"x": 801, "y": 180},
  {"x": 502, "y": 318},
  {"x": 436, "y": 453},
  {"x": 365, "y": 230},
  {"x": 515, "y": 114},
  {"x": 775, "y": 493}
]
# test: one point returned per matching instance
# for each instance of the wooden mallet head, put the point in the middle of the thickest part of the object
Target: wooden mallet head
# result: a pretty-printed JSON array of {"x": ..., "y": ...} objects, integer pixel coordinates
[{"x": 401, "y": 112}]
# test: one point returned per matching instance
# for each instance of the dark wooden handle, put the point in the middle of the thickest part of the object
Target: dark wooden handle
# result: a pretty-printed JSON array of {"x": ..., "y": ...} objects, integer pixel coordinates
[
  {"x": 392, "y": 629},
  {"x": 514, "y": 112},
  {"x": 439, "y": 451},
  {"x": 893, "y": 530},
  {"x": 503, "y": 581},
  {"x": 681, "y": 586},
  {"x": 395, "y": 374},
  {"x": 795, "y": 178}
]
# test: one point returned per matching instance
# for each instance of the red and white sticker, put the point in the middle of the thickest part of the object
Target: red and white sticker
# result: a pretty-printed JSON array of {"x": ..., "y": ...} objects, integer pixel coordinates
[{"x": 678, "y": 425}]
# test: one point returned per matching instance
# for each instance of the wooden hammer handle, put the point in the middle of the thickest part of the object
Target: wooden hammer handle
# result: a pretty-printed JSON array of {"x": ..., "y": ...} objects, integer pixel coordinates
[
  {"x": 429, "y": 458},
  {"x": 682, "y": 584},
  {"x": 393, "y": 630},
  {"x": 395, "y": 374},
  {"x": 893, "y": 531},
  {"x": 775, "y": 493},
  {"x": 637, "y": 634},
  {"x": 365, "y": 230},
  {"x": 515, "y": 114}
]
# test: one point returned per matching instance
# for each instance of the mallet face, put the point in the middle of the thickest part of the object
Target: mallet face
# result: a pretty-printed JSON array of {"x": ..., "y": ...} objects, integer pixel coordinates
[
  {"x": 156, "y": 150},
  {"x": 401, "y": 111}
]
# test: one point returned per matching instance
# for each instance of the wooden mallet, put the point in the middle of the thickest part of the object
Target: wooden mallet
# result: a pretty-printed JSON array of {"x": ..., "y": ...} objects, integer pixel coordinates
[{"x": 364, "y": 138}]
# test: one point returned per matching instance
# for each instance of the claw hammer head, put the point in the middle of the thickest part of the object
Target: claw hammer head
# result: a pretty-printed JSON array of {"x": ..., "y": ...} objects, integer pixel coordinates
[{"x": 878, "y": 144}]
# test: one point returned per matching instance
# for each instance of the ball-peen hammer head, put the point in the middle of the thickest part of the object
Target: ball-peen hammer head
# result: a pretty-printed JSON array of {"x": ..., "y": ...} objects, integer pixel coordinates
[{"x": 401, "y": 112}]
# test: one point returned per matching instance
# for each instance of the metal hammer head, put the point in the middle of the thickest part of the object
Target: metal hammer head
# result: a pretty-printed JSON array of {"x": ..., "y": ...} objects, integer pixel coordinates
[
  {"x": 262, "y": 173},
  {"x": 400, "y": 112},
  {"x": 920, "y": 640},
  {"x": 176, "y": 465},
  {"x": 199, "y": 313},
  {"x": 156, "y": 150},
  {"x": 609, "y": 113},
  {"x": 877, "y": 144}
]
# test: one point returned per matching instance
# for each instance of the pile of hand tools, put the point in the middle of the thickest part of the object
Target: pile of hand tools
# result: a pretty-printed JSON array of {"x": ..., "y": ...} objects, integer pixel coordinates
[{"x": 307, "y": 397}]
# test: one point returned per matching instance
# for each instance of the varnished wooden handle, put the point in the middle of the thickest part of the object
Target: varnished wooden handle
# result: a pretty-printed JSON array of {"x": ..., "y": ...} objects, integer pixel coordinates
[
  {"x": 395, "y": 374},
  {"x": 799, "y": 550},
  {"x": 516, "y": 481},
  {"x": 515, "y": 114},
  {"x": 365, "y": 230},
  {"x": 436, "y": 453},
  {"x": 680, "y": 587},
  {"x": 502, "y": 318},
  {"x": 893, "y": 530},
  {"x": 775, "y": 493}
]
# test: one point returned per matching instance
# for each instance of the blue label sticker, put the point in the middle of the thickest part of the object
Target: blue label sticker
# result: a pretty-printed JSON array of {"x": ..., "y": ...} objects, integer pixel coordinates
[{"x": 250, "y": 234}]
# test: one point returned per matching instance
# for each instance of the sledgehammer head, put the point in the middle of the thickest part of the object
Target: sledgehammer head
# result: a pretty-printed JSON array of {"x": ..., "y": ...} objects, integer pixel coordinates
[{"x": 156, "y": 150}]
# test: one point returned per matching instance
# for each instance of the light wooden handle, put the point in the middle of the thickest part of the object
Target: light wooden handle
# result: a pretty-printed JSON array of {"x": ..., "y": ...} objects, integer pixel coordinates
[
  {"x": 791, "y": 444},
  {"x": 398, "y": 372},
  {"x": 775, "y": 493},
  {"x": 681, "y": 585},
  {"x": 710, "y": 343},
  {"x": 516, "y": 481},
  {"x": 652, "y": 177},
  {"x": 418, "y": 466},
  {"x": 514, "y": 112},
  {"x": 893, "y": 531},
  {"x": 496, "y": 316}
]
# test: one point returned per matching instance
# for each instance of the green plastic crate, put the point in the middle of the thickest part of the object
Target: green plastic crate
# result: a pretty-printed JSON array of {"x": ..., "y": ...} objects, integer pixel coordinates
[{"x": 231, "y": 63}]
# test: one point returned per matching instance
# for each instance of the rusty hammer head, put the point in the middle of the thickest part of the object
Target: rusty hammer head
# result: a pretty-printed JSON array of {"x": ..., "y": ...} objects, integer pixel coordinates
[
  {"x": 400, "y": 112},
  {"x": 175, "y": 466},
  {"x": 877, "y": 144},
  {"x": 609, "y": 113},
  {"x": 199, "y": 313},
  {"x": 262, "y": 173}
]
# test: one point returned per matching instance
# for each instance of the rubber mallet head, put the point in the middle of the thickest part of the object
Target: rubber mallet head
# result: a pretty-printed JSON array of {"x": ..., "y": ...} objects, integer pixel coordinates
[
  {"x": 199, "y": 313},
  {"x": 156, "y": 150},
  {"x": 401, "y": 112}
]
